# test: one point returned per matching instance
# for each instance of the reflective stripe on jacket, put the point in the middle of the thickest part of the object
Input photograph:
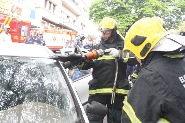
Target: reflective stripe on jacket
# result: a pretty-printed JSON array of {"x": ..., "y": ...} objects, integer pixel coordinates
[
  {"x": 132, "y": 115},
  {"x": 108, "y": 91},
  {"x": 159, "y": 91}
]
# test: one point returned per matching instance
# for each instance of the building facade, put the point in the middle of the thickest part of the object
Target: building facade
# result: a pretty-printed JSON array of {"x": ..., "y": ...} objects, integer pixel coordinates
[{"x": 63, "y": 14}]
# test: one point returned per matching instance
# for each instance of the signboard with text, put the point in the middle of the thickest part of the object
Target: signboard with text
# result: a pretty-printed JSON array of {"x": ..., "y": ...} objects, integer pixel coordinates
[
  {"x": 8, "y": 7},
  {"x": 15, "y": 9}
]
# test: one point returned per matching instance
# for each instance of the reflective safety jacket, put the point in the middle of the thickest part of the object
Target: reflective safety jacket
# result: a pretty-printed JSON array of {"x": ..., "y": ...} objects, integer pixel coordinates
[
  {"x": 104, "y": 69},
  {"x": 159, "y": 91}
]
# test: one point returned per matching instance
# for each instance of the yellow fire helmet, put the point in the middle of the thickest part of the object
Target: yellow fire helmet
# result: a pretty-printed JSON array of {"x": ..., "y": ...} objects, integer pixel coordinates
[
  {"x": 143, "y": 36},
  {"x": 160, "y": 20},
  {"x": 108, "y": 23}
]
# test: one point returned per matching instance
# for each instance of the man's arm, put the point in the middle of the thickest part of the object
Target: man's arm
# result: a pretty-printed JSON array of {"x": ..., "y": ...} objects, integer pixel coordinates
[
  {"x": 27, "y": 41},
  {"x": 44, "y": 42},
  {"x": 144, "y": 104},
  {"x": 126, "y": 56}
]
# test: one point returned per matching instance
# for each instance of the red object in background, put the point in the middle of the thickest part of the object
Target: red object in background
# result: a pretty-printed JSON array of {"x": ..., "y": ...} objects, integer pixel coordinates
[{"x": 19, "y": 29}]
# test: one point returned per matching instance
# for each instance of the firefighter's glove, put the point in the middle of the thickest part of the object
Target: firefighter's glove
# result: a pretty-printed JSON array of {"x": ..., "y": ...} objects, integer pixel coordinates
[
  {"x": 85, "y": 65},
  {"x": 114, "y": 52}
]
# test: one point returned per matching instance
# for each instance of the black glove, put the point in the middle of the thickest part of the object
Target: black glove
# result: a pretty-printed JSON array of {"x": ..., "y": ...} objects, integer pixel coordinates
[{"x": 70, "y": 57}]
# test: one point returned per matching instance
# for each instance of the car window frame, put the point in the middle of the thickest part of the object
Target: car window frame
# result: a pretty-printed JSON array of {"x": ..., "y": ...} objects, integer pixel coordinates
[{"x": 74, "y": 95}]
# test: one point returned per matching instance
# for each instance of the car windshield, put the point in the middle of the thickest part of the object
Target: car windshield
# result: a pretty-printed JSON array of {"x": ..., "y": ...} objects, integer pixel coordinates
[{"x": 34, "y": 90}]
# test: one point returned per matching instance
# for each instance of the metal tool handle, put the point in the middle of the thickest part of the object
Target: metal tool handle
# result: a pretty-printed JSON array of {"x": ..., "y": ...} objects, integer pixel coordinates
[{"x": 115, "y": 80}]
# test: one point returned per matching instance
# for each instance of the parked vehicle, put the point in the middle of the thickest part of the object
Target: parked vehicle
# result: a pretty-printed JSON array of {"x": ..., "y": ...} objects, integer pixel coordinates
[
  {"x": 34, "y": 87},
  {"x": 56, "y": 39},
  {"x": 82, "y": 87},
  {"x": 19, "y": 29}
]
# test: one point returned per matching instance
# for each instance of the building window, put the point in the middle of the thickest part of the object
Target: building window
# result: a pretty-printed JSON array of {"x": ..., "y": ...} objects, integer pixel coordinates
[
  {"x": 45, "y": 4},
  {"x": 54, "y": 6},
  {"x": 50, "y": 4}
]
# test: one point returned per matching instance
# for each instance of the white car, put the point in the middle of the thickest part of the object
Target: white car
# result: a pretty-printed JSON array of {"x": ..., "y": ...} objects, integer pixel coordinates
[
  {"x": 80, "y": 82},
  {"x": 82, "y": 87},
  {"x": 35, "y": 88}
]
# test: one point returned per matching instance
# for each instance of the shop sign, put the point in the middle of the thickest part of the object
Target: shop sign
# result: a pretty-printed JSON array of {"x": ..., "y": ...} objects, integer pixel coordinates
[{"x": 8, "y": 7}]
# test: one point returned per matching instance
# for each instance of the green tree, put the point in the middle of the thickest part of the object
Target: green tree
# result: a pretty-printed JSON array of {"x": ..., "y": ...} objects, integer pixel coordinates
[{"x": 126, "y": 12}]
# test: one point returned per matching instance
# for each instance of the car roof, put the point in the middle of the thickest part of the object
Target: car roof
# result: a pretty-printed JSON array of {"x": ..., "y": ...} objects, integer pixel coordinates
[
  {"x": 27, "y": 50},
  {"x": 72, "y": 50}
]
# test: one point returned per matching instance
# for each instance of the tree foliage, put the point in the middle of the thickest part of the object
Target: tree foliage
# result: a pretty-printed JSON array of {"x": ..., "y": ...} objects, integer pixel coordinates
[{"x": 126, "y": 12}]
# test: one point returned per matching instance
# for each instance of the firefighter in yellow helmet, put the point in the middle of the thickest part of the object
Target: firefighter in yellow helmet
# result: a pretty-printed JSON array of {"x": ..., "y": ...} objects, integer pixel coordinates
[
  {"x": 138, "y": 67},
  {"x": 105, "y": 70},
  {"x": 159, "y": 90}
]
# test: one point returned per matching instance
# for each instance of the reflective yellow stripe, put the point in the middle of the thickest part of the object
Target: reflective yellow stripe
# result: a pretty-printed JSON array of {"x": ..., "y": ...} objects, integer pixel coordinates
[
  {"x": 130, "y": 112},
  {"x": 134, "y": 75},
  {"x": 174, "y": 55},
  {"x": 162, "y": 120},
  {"x": 108, "y": 91},
  {"x": 132, "y": 116},
  {"x": 125, "y": 58},
  {"x": 122, "y": 91},
  {"x": 10, "y": 19},
  {"x": 92, "y": 91},
  {"x": 105, "y": 57},
  {"x": 5, "y": 21}
]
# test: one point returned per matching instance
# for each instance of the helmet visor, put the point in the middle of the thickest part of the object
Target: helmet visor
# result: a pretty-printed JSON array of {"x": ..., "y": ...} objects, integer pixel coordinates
[{"x": 106, "y": 31}]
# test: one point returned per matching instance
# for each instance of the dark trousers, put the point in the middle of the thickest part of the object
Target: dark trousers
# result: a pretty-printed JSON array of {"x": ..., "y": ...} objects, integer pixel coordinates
[{"x": 114, "y": 110}]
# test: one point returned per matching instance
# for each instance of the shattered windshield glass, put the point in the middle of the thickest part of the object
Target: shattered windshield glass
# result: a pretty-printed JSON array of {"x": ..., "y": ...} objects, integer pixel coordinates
[{"x": 34, "y": 91}]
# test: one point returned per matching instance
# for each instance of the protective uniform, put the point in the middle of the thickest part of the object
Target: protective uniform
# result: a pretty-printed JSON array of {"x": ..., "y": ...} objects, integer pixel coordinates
[
  {"x": 104, "y": 69},
  {"x": 158, "y": 94}
]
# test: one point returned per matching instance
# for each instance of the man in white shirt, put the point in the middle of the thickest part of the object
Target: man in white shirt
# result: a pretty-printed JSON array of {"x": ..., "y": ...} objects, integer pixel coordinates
[{"x": 5, "y": 36}]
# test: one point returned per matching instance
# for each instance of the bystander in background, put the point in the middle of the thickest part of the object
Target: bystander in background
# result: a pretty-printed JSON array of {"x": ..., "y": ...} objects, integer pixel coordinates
[
  {"x": 40, "y": 35},
  {"x": 5, "y": 35},
  {"x": 33, "y": 38}
]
